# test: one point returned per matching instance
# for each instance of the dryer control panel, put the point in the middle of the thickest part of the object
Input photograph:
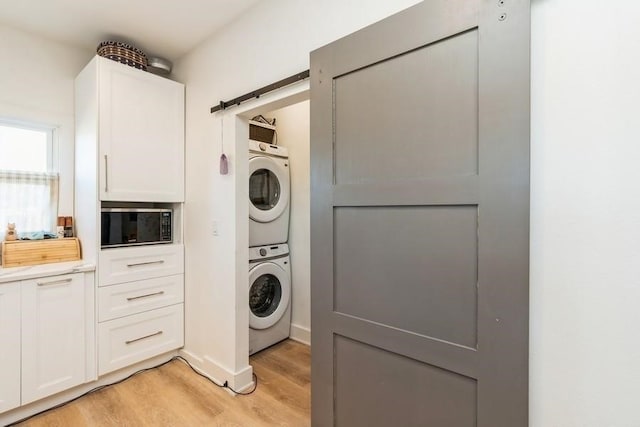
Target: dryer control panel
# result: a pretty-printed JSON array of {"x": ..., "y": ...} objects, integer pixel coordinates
[{"x": 269, "y": 251}]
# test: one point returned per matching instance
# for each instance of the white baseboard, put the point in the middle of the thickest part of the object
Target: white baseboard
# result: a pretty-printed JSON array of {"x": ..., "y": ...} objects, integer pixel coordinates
[
  {"x": 300, "y": 334},
  {"x": 239, "y": 381}
]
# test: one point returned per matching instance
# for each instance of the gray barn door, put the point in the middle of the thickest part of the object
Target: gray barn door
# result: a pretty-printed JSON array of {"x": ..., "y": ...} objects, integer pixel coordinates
[{"x": 420, "y": 219}]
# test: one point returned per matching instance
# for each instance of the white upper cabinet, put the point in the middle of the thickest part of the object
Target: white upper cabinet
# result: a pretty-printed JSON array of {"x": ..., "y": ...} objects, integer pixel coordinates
[
  {"x": 136, "y": 120},
  {"x": 141, "y": 135}
]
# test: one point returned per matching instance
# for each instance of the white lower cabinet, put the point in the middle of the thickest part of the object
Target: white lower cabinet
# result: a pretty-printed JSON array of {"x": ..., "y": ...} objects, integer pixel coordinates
[
  {"x": 47, "y": 337},
  {"x": 140, "y": 304},
  {"x": 127, "y": 340},
  {"x": 53, "y": 335},
  {"x": 9, "y": 346}
]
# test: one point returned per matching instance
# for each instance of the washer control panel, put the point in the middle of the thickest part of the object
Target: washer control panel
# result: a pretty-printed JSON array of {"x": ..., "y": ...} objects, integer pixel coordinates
[{"x": 268, "y": 149}]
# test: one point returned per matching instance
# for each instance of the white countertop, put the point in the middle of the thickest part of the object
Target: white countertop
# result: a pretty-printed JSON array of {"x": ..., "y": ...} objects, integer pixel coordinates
[{"x": 43, "y": 270}]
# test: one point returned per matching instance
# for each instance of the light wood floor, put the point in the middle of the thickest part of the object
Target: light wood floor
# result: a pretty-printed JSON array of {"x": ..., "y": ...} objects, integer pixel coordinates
[{"x": 173, "y": 395}]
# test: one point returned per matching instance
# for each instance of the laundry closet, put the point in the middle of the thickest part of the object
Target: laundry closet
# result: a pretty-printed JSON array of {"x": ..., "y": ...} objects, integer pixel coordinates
[{"x": 279, "y": 187}]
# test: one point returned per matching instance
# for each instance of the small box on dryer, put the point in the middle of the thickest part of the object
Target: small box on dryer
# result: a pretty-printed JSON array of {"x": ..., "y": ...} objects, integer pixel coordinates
[{"x": 262, "y": 132}]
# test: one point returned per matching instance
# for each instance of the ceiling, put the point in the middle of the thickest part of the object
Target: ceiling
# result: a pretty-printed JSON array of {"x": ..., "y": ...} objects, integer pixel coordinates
[{"x": 165, "y": 28}]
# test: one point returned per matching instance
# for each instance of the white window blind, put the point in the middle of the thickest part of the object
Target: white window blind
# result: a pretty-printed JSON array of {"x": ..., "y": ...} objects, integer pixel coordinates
[{"x": 28, "y": 182}]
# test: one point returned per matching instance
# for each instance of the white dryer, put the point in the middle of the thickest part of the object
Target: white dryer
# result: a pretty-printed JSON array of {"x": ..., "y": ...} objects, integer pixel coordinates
[
  {"x": 269, "y": 192},
  {"x": 269, "y": 296}
]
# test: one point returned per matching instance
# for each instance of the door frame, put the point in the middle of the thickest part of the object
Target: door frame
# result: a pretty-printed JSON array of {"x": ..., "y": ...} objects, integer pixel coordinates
[{"x": 235, "y": 124}]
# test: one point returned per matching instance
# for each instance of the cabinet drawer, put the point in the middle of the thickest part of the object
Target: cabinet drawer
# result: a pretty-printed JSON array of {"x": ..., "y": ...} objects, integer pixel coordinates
[
  {"x": 121, "y": 265},
  {"x": 128, "y": 340},
  {"x": 135, "y": 297}
]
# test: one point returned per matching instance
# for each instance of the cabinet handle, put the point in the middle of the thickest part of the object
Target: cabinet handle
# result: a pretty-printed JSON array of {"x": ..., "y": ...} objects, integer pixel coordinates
[
  {"x": 106, "y": 174},
  {"x": 161, "y": 261},
  {"x": 55, "y": 282},
  {"x": 145, "y": 296},
  {"x": 141, "y": 338}
]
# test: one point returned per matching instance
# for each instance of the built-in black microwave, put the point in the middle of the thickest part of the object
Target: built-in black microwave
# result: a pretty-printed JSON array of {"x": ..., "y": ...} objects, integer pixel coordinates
[{"x": 135, "y": 226}]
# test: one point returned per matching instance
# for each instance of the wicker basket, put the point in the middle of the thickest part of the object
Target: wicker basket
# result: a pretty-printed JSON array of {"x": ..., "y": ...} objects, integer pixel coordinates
[{"x": 123, "y": 53}]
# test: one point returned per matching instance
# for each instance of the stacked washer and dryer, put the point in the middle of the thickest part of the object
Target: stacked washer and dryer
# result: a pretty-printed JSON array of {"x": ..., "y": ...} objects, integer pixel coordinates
[{"x": 269, "y": 264}]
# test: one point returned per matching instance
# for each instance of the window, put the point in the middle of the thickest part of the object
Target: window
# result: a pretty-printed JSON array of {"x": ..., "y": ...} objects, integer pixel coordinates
[{"x": 28, "y": 181}]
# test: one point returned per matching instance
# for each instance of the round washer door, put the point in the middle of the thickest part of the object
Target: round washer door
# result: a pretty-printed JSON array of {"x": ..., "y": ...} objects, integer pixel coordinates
[
  {"x": 268, "y": 189},
  {"x": 269, "y": 295}
]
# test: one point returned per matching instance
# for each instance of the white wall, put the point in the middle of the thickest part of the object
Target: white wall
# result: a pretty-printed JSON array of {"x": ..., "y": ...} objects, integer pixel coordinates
[
  {"x": 585, "y": 214},
  {"x": 293, "y": 132},
  {"x": 36, "y": 85},
  {"x": 270, "y": 42}
]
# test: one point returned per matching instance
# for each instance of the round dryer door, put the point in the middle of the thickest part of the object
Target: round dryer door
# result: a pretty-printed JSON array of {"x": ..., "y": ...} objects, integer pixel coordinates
[
  {"x": 269, "y": 295},
  {"x": 268, "y": 188}
]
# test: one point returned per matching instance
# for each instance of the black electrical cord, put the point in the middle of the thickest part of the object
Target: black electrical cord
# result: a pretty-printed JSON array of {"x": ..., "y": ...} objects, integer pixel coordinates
[{"x": 101, "y": 387}]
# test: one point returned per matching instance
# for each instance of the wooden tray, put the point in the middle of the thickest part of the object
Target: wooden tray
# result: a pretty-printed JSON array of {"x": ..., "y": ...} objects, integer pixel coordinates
[{"x": 18, "y": 253}]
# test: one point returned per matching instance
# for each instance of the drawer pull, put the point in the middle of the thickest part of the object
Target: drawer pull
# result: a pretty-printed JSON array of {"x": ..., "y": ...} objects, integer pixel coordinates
[
  {"x": 142, "y": 338},
  {"x": 55, "y": 282},
  {"x": 160, "y": 261},
  {"x": 145, "y": 296}
]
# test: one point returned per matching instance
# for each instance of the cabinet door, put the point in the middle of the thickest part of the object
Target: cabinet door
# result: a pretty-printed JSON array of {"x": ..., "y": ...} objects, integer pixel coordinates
[
  {"x": 141, "y": 134},
  {"x": 53, "y": 335},
  {"x": 9, "y": 346}
]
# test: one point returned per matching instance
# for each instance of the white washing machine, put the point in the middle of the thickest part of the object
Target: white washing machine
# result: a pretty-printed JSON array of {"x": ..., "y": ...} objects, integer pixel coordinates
[
  {"x": 269, "y": 192},
  {"x": 269, "y": 296}
]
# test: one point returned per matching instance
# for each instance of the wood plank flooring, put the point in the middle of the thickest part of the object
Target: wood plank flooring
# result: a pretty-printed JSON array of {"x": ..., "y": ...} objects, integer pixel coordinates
[{"x": 173, "y": 395}]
